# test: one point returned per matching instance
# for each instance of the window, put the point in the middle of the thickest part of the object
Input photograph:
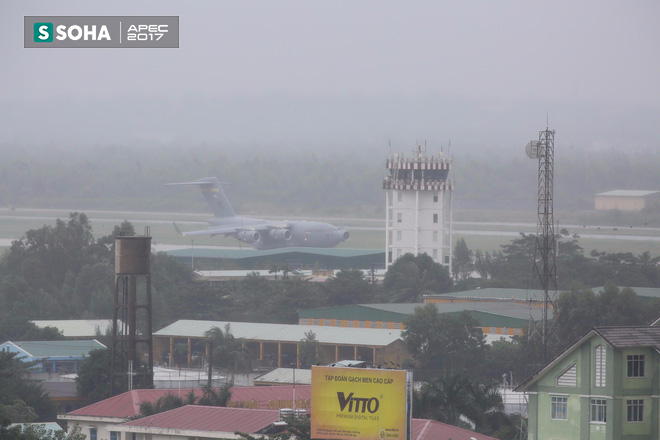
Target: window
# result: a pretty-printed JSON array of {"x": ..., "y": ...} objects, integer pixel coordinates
[
  {"x": 92, "y": 433},
  {"x": 435, "y": 218},
  {"x": 559, "y": 408},
  {"x": 600, "y": 365},
  {"x": 435, "y": 197},
  {"x": 435, "y": 254},
  {"x": 568, "y": 378},
  {"x": 636, "y": 365},
  {"x": 398, "y": 253},
  {"x": 635, "y": 410},
  {"x": 399, "y": 217},
  {"x": 435, "y": 235},
  {"x": 598, "y": 410},
  {"x": 113, "y": 436},
  {"x": 399, "y": 196},
  {"x": 398, "y": 235}
]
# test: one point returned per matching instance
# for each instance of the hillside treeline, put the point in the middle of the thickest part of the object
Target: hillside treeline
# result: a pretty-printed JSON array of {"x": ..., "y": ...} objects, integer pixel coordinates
[{"x": 345, "y": 181}]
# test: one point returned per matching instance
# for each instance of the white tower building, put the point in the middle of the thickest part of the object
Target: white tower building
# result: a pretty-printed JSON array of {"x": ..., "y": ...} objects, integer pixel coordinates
[{"x": 419, "y": 203}]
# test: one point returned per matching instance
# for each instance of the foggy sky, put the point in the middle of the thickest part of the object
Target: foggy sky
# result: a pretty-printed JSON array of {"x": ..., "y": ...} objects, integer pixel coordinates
[{"x": 322, "y": 72}]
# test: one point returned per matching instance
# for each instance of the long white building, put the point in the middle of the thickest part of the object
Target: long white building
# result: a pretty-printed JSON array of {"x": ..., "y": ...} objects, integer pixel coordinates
[{"x": 419, "y": 203}]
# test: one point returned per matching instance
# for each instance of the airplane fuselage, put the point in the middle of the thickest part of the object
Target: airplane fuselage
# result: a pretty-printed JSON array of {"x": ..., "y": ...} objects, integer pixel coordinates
[
  {"x": 299, "y": 233},
  {"x": 258, "y": 233}
]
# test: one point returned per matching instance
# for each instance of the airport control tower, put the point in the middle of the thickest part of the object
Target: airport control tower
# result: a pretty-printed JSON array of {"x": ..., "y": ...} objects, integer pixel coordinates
[{"x": 419, "y": 204}]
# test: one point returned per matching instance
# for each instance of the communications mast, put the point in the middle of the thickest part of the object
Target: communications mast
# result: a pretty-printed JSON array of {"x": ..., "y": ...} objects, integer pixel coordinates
[
  {"x": 418, "y": 207},
  {"x": 545, "y": 266}
]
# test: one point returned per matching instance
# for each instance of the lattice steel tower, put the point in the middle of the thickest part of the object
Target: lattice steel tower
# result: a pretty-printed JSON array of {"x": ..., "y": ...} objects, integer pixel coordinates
[{"x": 545, "y": 267}]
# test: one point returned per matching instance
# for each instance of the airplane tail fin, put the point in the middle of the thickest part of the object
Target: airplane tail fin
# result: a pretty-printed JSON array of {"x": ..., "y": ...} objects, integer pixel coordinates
[{"x": 214, "y": 195}]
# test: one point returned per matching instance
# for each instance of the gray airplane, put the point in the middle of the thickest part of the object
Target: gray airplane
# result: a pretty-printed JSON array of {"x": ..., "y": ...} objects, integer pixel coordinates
[{"x": 261, "y": 234}]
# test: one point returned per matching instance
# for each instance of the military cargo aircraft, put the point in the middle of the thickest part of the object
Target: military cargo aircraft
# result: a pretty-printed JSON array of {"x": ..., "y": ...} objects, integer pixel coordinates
[{"x": 260, "y": 234}]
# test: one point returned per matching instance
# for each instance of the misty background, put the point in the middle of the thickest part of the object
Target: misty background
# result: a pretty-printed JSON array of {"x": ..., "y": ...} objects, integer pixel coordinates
[{"x": 298, "y": 103}]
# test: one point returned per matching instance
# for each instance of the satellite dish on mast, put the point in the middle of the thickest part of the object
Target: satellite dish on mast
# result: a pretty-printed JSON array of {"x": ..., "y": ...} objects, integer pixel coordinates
[{"x": 532, "y": 149}]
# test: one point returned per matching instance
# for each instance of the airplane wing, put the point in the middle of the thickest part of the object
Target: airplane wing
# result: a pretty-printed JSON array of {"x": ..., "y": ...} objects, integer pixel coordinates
[{"x": 230, "y": 230}]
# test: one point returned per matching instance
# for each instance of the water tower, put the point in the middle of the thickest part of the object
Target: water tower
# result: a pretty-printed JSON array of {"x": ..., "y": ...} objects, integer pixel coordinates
[
  {"x": 418, "y": 206},
  {"x": 132, "y": 342}
]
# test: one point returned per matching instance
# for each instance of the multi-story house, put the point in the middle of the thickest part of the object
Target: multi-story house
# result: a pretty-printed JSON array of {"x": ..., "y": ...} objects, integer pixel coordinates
[{"x": 606, "y": 386}]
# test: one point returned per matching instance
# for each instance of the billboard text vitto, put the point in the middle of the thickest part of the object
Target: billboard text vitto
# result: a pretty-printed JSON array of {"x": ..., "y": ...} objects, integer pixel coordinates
[{"x": 357, "y": 403}]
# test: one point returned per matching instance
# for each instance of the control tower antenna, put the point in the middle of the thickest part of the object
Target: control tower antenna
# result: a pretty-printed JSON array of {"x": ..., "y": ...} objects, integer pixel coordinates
[{"x": 545, "y": 267}]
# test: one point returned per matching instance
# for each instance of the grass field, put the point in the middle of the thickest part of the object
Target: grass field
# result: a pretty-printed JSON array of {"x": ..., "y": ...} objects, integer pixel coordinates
[{"x": 478, "y": 228}]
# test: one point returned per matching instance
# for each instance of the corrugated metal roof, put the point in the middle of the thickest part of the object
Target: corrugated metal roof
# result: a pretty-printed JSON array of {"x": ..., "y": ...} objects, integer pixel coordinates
[
  {"x": 423, "y": 429},
  {"x": 228, "y": 420},
  {"x": 285, "y": 376},
  {"x": 76, "y": 328},
  {"x": 208, "y": 419},
  {"x": 252, "y": 253},
  {"x": 489, "y": 313},
  {"x": 361, "y": 312},
  {"x": 231, "y": 419},
  {"x": 493, "y": 293},
  {"x": 127, "y": 404},
  {"x": 271, "y": 397},
  {"x": 284, "y": 332},
  {"x": 627, "y": 193},
  {"x": 51, "y": 349}
]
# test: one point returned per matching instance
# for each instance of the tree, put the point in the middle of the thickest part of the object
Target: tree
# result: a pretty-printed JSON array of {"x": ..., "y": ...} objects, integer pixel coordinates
[
  {"x": 211, "y": 397},
  {"x": 483, "y": 264},
  {"x": 22, "y": 400},
  {"x": 462, "y": 260},
  {"x": 94, "y": 376},
  {"x": 227, "y": 350},
  {"x": 411, "y": 277},
  {"x": 452, "y": 396},
  {"x": 444, "y": 343},
  {"x": 309, "y": 349},
  {"x": 38, "y": 432},
  {"x": 43, "y": 334},
  {"x": 348, "y": 286},
  {"x": 165, "y": 403},
  {"x": 297, "y": 428},
  {"x": 580, "y": 309}
]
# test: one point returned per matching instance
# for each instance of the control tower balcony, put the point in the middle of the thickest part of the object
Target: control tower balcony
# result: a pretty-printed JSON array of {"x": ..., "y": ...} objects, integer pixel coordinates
[
  {"x": 418, "y": 185},
  {"x": 418, "y": 163}
]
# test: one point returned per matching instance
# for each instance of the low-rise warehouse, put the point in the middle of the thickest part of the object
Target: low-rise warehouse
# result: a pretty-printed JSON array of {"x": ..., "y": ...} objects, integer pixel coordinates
[{"x": 279, "y": 342}]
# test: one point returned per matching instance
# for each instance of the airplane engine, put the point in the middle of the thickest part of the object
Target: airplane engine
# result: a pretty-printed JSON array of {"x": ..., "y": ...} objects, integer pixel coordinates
[
  {"x": 280, "y": 234},
  {"x": 249, "y": 236},
  {"x": 346, "y": 235}
]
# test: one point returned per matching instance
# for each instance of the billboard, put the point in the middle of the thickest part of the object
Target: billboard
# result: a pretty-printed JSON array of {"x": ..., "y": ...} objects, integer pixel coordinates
[{"x": 360, "y": 403}]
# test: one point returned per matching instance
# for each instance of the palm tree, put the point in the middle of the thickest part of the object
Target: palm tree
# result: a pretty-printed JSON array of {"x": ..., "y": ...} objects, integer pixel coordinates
[{"x": 228, "y": 351}]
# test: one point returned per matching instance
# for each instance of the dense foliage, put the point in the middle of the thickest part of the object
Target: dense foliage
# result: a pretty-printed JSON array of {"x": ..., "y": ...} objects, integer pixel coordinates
[
  {"x": 62, "y": 272},
  {"x": 22, "y": 400}
]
